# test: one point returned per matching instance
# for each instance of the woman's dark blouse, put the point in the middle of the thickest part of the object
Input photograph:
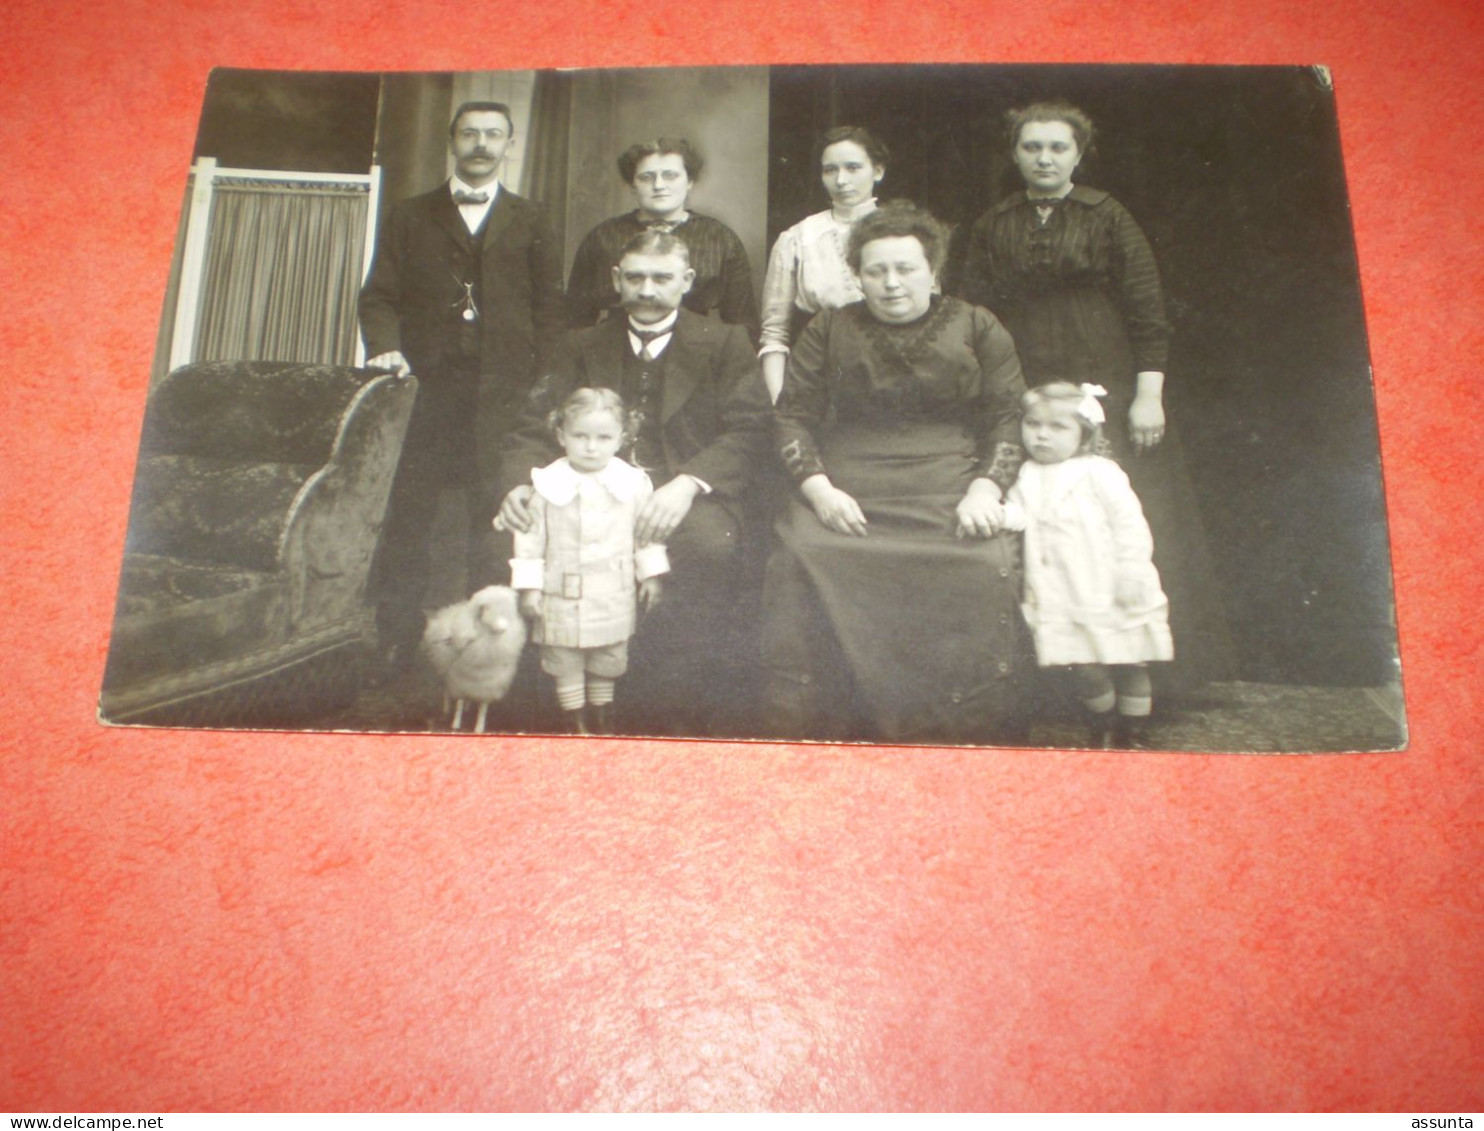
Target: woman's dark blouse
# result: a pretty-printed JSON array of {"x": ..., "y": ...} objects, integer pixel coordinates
[
  {"x": 723, "y": 274},
  {"x": 1079, "y": 293},
  {"x": 954, "y": 365}
]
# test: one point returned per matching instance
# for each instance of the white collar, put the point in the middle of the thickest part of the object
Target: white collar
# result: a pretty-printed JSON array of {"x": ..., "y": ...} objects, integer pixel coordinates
[
  {"x": 455, "y": 185},
  {"x": 663, "y": 331},
  {"x": 663, "y": 326},
  {"x": 558, "y": 482}
]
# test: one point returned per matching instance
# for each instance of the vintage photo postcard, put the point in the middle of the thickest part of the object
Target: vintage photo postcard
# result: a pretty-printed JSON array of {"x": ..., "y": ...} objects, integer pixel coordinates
[{"x": 917, "y": 405}]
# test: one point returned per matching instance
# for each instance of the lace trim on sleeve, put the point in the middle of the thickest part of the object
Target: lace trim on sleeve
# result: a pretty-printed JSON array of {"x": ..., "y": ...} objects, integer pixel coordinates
[
  {"x": 1003, "y": 463},
  {"x": 801, "y": 459}
]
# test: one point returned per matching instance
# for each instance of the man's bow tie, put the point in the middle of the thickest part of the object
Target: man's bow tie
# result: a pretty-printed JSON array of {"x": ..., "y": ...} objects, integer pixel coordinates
[
  {"x": 647, "y": 336},
  {"x": 462, "y": 197}
]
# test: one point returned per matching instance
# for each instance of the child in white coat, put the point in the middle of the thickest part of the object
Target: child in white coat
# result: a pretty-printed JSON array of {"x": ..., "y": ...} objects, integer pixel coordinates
[
  {"x": 1092, "y": 594},
  {"x": 580, "y": 576}
]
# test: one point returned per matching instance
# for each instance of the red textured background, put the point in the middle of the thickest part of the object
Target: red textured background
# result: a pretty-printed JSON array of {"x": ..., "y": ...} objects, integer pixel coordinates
[{"x": 216, "y": 921}]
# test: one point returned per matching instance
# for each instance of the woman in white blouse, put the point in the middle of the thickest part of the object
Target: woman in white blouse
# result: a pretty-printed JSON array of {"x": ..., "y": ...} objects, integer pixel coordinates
[{"x": 807, "y": 271}]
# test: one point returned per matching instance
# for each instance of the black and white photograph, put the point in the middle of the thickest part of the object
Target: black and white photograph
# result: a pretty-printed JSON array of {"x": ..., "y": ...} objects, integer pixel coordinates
[{"x": 913, "y": 405}]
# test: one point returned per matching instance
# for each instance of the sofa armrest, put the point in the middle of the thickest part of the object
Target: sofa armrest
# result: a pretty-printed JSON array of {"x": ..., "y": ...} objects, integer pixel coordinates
[{"x": 332, "y": 528}]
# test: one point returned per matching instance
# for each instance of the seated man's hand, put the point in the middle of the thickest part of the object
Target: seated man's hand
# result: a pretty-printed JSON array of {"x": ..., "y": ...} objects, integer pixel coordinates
[
  {"x": 515, "y": 511},
  {"x": 392, "y": 361},
  {"x": 665, "y": 510}
]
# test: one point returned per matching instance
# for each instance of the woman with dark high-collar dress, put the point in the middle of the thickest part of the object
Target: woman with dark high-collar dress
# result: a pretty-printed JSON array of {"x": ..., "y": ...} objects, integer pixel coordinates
[
  {"x": 662, "y": 173},
  {"x": 1072, "y": 276},
  {"x": 891, "y": 605}
]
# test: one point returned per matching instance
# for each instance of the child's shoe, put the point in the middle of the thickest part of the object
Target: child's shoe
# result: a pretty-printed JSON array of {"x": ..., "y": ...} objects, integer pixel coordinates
[
  {"x": 1132, "y": 733},
  {"x": 600, "y": 719},
  {"x": 574, "y": 721},
  {"x": 1101, "y": 729}
]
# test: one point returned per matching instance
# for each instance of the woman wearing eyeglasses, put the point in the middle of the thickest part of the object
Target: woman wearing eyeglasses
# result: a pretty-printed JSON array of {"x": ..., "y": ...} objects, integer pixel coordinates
[{"x": 662, "y": 173}]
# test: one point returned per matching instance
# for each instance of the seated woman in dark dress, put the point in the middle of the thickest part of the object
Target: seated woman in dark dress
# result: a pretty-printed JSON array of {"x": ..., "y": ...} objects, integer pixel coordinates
[
  {"x": 1075, "y": 281},
  {"x": 890, "y": 608},
  {"x": 662, "y": 173}
]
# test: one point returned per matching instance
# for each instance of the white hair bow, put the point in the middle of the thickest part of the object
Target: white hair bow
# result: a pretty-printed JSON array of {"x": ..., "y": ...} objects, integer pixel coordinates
[{"x": 1088, "y": 407}]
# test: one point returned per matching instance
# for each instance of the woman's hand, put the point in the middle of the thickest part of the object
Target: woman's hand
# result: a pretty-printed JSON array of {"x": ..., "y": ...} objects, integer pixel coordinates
[
  {"x": 774, "y": 364},
  {"x": 650, "y": 590},
  {"x": 833, "y": 507},
  {"x": 1146, "y": 416},
  {"x": 980, "y": 514}
]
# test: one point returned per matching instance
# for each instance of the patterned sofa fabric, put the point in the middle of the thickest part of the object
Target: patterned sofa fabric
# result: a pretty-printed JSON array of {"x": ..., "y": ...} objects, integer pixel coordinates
[
  {"x": 204, "y": 510},
  {"x": 269, "y": 411},
  {"x": 259, "y": 496},
  {"x": 183, "y": 617}
]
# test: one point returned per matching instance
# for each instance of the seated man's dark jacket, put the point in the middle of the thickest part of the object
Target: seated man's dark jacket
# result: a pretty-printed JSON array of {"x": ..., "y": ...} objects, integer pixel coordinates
[{"x": 715, "y": 415}]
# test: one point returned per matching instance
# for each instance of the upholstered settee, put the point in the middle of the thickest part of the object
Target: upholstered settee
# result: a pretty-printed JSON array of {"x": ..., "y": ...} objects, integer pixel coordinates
[{"x": 259, "y": 496}]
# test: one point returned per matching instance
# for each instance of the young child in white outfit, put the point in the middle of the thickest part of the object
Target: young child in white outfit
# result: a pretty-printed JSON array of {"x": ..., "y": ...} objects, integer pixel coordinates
[
  {"x": 1092, "y": 594},
  {"x": 580, "y": 576}
]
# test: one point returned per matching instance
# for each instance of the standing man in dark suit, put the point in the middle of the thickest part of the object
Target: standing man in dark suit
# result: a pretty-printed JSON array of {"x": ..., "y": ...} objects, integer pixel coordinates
[
  {"x": 702, "y": 418},
  {"x": 465, "y": 293}
]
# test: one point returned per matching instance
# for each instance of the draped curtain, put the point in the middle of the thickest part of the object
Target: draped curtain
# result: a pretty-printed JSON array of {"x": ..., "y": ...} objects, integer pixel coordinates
[
  {"x": 550, "y": 136},
  {"x": 283, "y": 269}
]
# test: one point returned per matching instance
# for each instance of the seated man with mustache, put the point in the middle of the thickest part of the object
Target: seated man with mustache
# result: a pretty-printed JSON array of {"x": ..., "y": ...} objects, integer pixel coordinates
[{"x": 702, "y": 418}]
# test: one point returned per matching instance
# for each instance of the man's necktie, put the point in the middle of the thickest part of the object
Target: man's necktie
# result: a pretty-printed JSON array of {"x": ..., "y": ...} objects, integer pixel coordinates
[
  {"x": 462, "y": 197},
  {"x": 646, "y": 338}
]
